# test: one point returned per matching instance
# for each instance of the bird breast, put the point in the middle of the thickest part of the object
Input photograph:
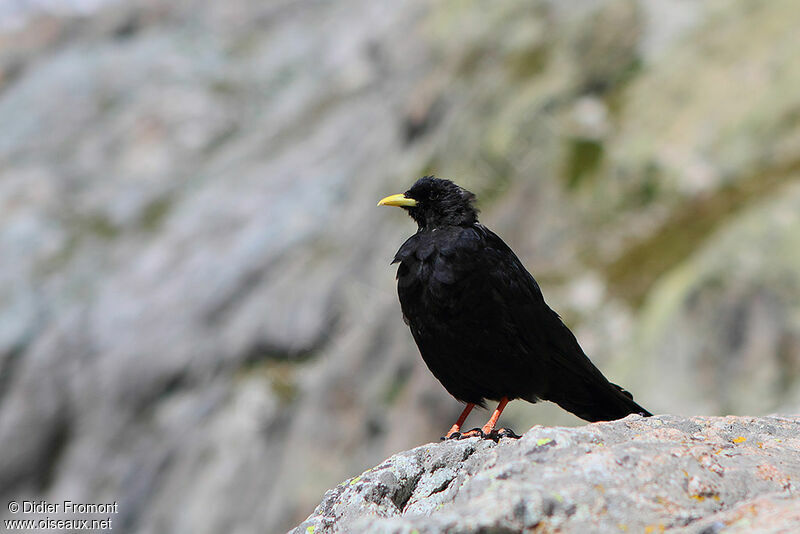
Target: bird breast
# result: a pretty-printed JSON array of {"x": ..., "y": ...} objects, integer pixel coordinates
[{"x": 433, "y": 266}]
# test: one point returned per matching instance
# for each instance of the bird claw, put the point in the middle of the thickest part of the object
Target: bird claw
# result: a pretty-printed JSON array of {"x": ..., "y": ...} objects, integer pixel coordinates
[
  {"x": 448, "y": 437},
  {"x": 496, "y": 435},
  {"x": 474, "y": 433}
]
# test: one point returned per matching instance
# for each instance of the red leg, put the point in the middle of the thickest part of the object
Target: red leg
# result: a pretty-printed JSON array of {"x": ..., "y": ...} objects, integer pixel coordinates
[
  {"x": 489, "y": 426},
  {"x": 461, "y": 418}
]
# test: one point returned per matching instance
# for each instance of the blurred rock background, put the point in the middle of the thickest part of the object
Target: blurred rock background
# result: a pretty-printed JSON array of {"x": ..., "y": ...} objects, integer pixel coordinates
[{"x": 197, "y": 313}]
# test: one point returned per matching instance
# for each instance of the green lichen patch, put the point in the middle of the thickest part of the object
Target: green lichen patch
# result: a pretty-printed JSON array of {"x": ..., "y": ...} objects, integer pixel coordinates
[
  {"x": 154, "y": 214},
  {"x": 632, "y": 274},
  {"x": 582, "y": 160}
]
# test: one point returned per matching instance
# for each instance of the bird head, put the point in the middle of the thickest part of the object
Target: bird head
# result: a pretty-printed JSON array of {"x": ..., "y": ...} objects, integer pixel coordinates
[{"x": 434, "y": 202}]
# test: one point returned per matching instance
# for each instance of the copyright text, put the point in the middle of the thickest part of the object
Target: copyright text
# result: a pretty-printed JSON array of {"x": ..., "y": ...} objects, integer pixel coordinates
[{"x": 44, "y": 509}]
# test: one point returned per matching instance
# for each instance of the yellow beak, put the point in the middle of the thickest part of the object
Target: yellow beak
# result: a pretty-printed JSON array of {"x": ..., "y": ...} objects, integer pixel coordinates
[{"x": 398, "y": 200}]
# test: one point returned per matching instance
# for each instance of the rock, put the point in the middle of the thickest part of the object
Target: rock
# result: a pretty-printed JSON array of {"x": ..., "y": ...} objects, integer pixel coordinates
[{"x": 665, "y": 473}]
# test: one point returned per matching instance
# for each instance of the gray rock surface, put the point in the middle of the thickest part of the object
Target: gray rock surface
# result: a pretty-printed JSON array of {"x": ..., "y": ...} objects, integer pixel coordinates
[{"x": 661, "y": 474}]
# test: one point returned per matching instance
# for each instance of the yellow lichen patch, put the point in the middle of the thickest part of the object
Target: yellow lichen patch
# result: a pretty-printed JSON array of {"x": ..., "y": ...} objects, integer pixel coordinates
[{"x": 740, "y": 439}]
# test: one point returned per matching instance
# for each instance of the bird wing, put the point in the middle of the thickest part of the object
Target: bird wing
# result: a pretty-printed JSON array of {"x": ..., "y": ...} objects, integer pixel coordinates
[{"x": 515, "y": 294}]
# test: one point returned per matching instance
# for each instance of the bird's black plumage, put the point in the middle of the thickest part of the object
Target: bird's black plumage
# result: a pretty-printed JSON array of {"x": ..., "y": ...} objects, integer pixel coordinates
[{"x": 479, "y": 318}]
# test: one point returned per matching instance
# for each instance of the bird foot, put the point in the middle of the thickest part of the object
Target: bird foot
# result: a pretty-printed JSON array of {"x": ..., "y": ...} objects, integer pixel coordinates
[
  {"x": 497, "y": 434},
  {"x": 494, "y": 435},
  {"x": 474, "y": 433}
]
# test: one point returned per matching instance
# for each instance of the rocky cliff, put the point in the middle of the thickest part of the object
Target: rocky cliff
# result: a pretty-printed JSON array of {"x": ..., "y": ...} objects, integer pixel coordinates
[
  {"x": 662, "y": 474},
  {"x": 196, "y": 308}
]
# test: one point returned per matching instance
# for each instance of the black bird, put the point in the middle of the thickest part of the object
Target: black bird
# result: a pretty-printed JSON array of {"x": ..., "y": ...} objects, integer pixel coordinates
[{"x": 480, "y": 320}]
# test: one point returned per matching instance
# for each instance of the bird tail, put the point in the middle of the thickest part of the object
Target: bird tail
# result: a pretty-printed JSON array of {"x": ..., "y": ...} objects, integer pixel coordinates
[{"x": 600, "y": 401}]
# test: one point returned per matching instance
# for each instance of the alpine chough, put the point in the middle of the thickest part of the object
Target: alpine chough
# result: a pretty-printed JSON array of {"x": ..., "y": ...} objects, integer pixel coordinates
[{"x": 479, "y": 318}]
